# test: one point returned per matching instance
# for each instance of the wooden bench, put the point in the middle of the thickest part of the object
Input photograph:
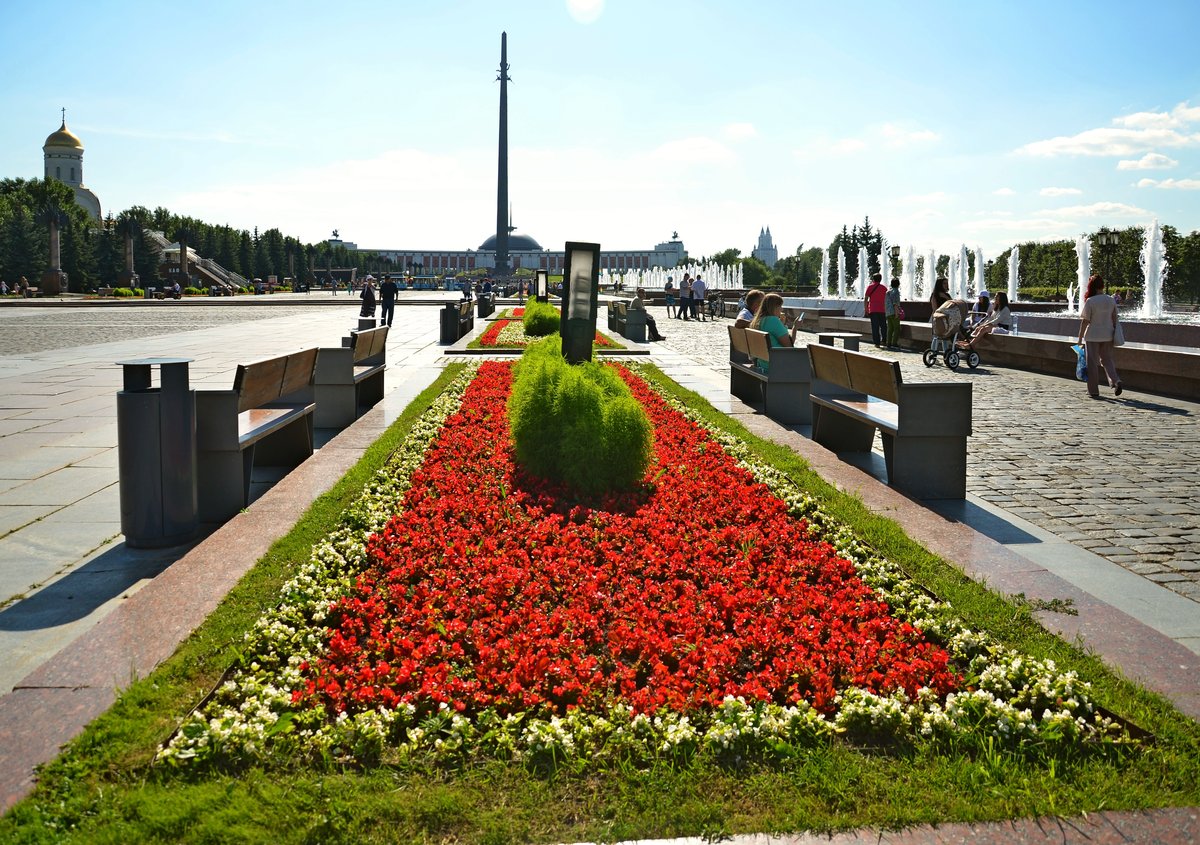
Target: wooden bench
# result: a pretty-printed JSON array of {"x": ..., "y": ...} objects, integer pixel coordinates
[
  {"x": 849, "y": 339},
  {"x": 783, "y": 389},
  {"x": 924, "y": 427},
  {"x": 265, "y": 420},
  {"x": 349, "y": 377},
  {"x": 631, "y": 322},
  {"x": 104, "y": 292}
]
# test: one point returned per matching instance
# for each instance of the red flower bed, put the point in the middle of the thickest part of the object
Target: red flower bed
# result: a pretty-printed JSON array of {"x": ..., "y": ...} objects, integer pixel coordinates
[{"x": 494, "y": 589}]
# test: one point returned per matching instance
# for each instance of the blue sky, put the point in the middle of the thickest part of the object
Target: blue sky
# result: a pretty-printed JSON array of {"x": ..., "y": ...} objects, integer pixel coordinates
[{"x": 948, "y": 123}]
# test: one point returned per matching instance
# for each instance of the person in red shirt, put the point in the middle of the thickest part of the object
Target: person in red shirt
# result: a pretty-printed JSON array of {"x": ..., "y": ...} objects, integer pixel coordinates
[{"x": 876, "y": 300}]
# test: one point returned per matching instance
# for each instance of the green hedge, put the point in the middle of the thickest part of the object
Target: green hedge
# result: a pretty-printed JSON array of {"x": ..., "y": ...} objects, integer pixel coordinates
[
  {"x": 541, "y": 319},
  {"x": 577, "y": 424}
]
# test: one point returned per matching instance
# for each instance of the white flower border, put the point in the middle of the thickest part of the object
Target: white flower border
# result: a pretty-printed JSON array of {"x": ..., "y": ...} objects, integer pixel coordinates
[{"x": 251, "y": 716}]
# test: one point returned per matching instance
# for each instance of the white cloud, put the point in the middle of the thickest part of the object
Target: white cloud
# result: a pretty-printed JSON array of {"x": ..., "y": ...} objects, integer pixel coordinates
[
  {"x": 1059, "y": 192},
  {"x": 740, "y": 131},
  {"x": 1179, "y": 184},
  {"x": 847, "y": 145},
  {"x": 1181, "y": 115},
  {"x": 1097, "y": 209},
  {"x": 898, "y": 136},
  {"x": 585, "y": 11},
  {"x": 1004, "y": 192},
  {"x": 1110, "y": 142},
  {"x": 1150, "y": 161}
]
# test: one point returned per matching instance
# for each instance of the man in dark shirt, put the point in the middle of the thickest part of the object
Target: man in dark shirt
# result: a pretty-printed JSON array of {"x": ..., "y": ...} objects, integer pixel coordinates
[{"x": 387, "y": 298}]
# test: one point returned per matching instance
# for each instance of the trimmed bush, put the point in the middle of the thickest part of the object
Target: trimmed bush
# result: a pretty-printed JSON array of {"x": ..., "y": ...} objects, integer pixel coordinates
[
  {"x": 124, "y": 292},
  {"x": 190, "y": 291},
  {"x": 577, "y": 424},
  {"x": 541, "y": 318}
]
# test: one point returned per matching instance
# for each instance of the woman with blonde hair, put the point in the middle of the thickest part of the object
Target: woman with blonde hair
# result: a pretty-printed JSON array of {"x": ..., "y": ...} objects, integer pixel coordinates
[{"x": 767, "y": 319}]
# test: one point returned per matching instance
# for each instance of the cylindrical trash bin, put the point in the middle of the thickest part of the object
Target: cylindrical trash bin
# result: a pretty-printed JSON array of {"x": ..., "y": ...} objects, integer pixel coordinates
[
  {"x": 156, "y": 454},
  {"x": 449, "y": 324},
  {"x": 484, "y": 305}
]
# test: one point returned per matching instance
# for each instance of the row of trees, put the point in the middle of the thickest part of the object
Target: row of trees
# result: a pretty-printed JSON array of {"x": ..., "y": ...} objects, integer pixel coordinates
[
  {"x": 95, "y": 255},
  {"x": 1043, "y": 266}
]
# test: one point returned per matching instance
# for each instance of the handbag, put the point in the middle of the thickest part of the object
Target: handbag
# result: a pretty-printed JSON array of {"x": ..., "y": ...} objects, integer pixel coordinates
[
  {"x": 1118, "y": 335},
  {"x": 900, "y": 311},
  {"x": 1080, "y": 361}
]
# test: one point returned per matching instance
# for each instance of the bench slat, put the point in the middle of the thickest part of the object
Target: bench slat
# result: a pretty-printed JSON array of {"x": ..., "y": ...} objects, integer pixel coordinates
[
  {"x": 758, "y": 345},
  {"x": 256, "y": 423},
  {"x": 258, "y": 383},
  {"x": 737, "y": 338},
  {"x": 829, "y": 365},
  {"x": 874, "y": 376},
  {"x": 878, "y": 413}
]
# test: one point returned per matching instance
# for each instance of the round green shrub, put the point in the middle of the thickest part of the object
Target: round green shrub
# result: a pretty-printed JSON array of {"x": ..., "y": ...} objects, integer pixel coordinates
[
  {"x": 124, "y": 292},
  {"x": 577, "y": 424},
  {"x": 541, "y": 319}
]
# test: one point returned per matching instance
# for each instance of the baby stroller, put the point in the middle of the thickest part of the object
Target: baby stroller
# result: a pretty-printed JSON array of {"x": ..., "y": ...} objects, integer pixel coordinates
[{"x": 951, "y": 337}]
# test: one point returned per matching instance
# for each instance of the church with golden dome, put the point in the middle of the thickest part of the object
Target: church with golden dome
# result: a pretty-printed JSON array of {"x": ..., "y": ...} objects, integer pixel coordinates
[{"x": 64, "y": 161}]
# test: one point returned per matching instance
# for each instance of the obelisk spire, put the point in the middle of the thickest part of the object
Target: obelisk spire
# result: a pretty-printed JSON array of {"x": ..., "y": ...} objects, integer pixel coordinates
[{"x": 502, "y": 268}]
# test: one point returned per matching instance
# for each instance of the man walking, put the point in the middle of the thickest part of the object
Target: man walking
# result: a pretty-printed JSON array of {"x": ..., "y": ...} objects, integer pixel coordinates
[{"x": 387, "y": 300}]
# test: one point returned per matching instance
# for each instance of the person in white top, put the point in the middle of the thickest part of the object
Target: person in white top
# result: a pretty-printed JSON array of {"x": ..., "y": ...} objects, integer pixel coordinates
[
  {"x": 998, "y": 321},
  {"x": 699, "y": 290},
  {"x": 746, "y": 315},
  {"x": 1097, "y": 327}
]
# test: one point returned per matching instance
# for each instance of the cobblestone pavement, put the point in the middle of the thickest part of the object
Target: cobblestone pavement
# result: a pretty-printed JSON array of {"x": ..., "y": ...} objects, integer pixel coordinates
[{"x": 1117, "y": 477}]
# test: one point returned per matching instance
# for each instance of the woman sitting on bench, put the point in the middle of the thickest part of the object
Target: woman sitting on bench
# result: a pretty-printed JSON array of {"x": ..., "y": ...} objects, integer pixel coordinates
[
  {"x": 767, "y": 319},
  {"x": 639, "y": 304}
]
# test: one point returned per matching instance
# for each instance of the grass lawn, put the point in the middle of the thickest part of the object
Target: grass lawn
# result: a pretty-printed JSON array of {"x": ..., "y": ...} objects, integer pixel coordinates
[{"x": 106, "y": 786}]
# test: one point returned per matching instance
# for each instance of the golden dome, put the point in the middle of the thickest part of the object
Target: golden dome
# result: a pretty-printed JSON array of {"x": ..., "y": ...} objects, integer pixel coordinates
[{"x": 64, "y": 137}]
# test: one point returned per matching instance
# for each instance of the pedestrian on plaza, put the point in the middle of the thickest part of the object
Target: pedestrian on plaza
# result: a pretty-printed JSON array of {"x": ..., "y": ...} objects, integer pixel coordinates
[
  {"x": 699, "y": 293},
  {"x": 685, "y": 297},
  {"x": 746, "y": 316},
  {"x": 368, "y": 299},
  {"x": 387, "y": 300},
  {"x": 876, "y": 303},
  {"x": 892, "y": 311},
  {"x": 1097, "y": 328},
  {"x": 940, "y": 295},
  {"x": 769, "y": 319},
  {"x": 3, "y": 288},
  {"x": 669, "y": 295},
  {"x": 639, "y": 304}
]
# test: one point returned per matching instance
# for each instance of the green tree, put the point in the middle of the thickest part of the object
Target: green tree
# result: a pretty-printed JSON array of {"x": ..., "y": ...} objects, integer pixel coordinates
[
  {"x": 726, "y": 257},
  {"x": 754, "y": 272}
]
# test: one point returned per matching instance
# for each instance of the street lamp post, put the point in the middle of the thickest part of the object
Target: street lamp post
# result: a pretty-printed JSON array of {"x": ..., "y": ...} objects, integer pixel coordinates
[
  {"x": 1108, "y": 239},
  {"x": 895, "y": 253}
]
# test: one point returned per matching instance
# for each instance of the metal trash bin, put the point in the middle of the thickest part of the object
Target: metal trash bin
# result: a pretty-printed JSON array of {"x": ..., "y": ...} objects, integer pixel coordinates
[
  {"x": 156, "y": 454},
  {"x": 450, "y": 316},
  {"x": 148, "y": 293},
  {"x": 485, "y": 305}
]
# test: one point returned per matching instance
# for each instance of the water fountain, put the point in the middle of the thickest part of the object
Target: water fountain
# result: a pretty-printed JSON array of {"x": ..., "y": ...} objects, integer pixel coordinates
[
  {"x": 964, "y": 262},
  {"x": 864, "y": 259},
  {"x": 930, "y": 273},
  {"x": 1154, "y": 271},
  {"x": 909, "y": 290},
  {"x": 1014, "y": 268},
  {"x": 980, "y": 280},
  {"x": 841, "y": 268},
  {"x": 823, "y": 283}
]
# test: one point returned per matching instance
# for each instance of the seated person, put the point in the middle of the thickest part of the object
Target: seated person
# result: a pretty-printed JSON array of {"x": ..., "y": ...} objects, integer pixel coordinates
[
  {"x": 768, "y": 319},
  {"x": 981, "y": 309},
  {"x": 746, "y": 315},
  {"x": 638, "y": 303},
  {"x": 998, "y": 322}
]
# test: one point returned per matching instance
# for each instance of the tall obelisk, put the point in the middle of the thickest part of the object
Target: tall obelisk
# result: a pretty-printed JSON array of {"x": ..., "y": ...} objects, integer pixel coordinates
[{"x": 502, "y": 268}]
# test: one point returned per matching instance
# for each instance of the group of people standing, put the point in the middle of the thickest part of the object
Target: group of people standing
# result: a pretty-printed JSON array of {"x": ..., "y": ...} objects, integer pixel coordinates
[
  {"x": 692, "y": 294},
  {"x": 387, "y": 298}
]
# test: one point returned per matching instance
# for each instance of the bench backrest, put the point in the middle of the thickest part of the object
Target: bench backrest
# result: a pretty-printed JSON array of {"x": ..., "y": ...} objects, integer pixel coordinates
[
  {"x": 464, "y": 309},
  {"x": 757, "y": 345},
  {"x": 262, "y": 382},
  {"x": 738, "y": 341},
  {"x": 368, "y": 344},
  {"x": 622, "y": 309},
  {"x": 856, "y": 371}
]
